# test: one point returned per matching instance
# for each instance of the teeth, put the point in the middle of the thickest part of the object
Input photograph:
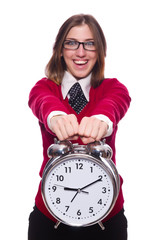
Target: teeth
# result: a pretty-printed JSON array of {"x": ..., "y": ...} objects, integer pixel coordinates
[{"x": 80, "y": 62}]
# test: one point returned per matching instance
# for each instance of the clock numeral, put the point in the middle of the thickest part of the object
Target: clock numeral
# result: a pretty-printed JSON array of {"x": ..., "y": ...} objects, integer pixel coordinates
[
  {"x": 79, "y": 166},
  {"x": 91, "y": 169},
  {"x": 100, "y": 176},
  {"x": 104, "y": 190},
  {"x": 54, "y": 188},
  {"x": 91, "y": 210},
  {"x": 79, "y": 212},
  {"x": 67, "y": 169},
  {"x": 100, "y": 201},
  {"x": 67, "y": 207},
  {"x": 58, "y": 200},
  {"x": 60, "y": 177}
]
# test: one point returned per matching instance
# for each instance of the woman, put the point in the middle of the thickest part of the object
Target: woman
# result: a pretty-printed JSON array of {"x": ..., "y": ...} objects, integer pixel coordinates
[{"x": 78, "y": 61}]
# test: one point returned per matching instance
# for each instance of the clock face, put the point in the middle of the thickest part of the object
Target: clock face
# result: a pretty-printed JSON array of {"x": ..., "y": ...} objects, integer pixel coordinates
[{"x": 78, "y": 190}]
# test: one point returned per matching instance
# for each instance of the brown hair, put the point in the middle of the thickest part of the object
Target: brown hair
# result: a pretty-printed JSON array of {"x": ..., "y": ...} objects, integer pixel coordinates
[{"x": 56, "y": 66}]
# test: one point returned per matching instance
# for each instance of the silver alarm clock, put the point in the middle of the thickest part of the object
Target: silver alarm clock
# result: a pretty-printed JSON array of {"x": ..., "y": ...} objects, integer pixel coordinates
[{"x": 80, "y": 183}]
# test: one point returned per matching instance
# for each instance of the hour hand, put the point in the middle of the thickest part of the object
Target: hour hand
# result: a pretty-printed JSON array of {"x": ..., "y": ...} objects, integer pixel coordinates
[
  {"x": 70, "y": 189},
  {"x": 74, "y": 189}
]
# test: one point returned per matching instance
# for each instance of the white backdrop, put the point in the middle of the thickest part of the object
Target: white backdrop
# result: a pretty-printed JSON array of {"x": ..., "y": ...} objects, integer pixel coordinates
[{"x": 28, "y": 29}]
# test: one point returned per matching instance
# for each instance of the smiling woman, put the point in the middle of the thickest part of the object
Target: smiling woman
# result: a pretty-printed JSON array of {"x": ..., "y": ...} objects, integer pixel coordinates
[
  {"x": 56, "y": 67},
  {"x": 79, "y": 61},
  {"x": 75, "y": 102}
]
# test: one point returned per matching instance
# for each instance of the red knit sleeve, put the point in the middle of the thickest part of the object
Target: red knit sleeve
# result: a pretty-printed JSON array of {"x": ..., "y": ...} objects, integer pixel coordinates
[
  {"x": 111, "y": 99},
  {"x": 44, "y": 98}
]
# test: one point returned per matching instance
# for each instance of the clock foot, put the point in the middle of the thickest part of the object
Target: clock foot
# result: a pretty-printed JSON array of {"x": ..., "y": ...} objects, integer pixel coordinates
[
  {"x": 57, "y": 224},
  {"x": 101, "y": 225}
]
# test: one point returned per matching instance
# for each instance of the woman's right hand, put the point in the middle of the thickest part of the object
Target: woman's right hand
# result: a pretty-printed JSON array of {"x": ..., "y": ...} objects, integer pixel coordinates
[{"x": 65, "y": 127}]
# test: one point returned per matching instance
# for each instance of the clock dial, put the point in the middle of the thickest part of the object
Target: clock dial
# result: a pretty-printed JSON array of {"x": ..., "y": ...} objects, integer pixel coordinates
[{"x": 78, "y": 190}]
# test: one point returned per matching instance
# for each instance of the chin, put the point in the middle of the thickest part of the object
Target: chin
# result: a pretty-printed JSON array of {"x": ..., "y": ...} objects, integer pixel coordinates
[{"x": 80, "y": 76}]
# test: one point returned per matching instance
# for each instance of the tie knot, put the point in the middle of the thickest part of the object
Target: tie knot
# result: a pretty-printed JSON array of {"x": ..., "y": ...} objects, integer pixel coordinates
[{"x": 75, "y": 89}]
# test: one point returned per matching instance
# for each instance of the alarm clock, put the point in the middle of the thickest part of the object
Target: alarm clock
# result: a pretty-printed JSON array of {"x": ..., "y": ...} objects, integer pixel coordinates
[{"x": 80, "y": 183}]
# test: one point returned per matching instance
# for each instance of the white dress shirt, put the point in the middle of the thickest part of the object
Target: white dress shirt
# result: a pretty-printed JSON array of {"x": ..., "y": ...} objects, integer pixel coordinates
[{"x": 67, "y": 82}]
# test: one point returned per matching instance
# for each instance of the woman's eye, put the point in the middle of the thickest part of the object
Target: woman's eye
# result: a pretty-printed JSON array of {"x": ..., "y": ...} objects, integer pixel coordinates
[
  {"x": 89, "y": 43},
  {"x": 71, "y": 43}
]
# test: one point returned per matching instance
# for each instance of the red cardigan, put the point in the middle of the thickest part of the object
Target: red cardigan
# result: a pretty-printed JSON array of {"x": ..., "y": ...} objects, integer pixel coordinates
[{"x": 111, "y": 99}]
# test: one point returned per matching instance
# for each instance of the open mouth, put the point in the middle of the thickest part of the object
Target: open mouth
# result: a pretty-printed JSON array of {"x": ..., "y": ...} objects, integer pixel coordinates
[{"x": 80, "y": 62}]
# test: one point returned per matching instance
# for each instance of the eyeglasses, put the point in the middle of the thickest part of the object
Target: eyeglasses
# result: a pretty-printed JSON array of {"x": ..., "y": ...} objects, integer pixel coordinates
[{"x": 74, "y": 45}]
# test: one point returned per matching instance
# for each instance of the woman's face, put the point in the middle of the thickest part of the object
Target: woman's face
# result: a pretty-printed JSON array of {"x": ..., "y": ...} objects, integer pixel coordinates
[{"x": 80, "y": 62}]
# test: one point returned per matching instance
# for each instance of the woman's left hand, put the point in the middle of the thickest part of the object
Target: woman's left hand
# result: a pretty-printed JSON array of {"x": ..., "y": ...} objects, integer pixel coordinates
[{"x": 92, "y": 129}]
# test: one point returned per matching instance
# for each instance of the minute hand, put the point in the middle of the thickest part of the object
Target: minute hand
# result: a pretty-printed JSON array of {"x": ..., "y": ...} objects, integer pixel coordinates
[{"x": 98, "y": 180}]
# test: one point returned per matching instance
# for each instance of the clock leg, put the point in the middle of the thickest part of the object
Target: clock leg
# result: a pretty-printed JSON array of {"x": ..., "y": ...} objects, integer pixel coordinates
[
  {"x": 57, "y": 224},
  {"x": 101, "y": 225}
]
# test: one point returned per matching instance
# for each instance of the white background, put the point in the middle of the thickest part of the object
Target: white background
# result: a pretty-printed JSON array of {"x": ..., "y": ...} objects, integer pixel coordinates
[{"x": 28, "y": 29}]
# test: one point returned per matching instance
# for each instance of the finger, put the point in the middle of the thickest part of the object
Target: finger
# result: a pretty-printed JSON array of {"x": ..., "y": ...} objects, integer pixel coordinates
[
  {"x": 64, "y": 126},
  {"x": 83, "y": 126},
  {"x": 102, "y": 131},
  {"x": 59, "y": 134},
  {"x": 74, "y": 123},
  {"x": 69, "y": 126},
  {"x": 75, "y": 137},
  {"x": 87, "y": 140},
  {"x": 99, "y": 129},
  {"x": 94, "y": 128},
  {"x": 89, "y": 127},
  {"x": 61, "y": 128}
]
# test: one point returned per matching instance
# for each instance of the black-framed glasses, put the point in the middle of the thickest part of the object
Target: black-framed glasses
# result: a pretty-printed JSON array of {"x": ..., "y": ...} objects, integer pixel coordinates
[{"x": 74, "y": 45}]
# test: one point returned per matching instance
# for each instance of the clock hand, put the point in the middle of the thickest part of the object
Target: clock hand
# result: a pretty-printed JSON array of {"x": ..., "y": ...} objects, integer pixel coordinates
[
  {"x": 81, "y": 189},
  {"x": 74, "y": 196},
  {"x": 74, "y": 189},
  {"x": 70, "y": 189},
  {"x": 98, "y": 180}
]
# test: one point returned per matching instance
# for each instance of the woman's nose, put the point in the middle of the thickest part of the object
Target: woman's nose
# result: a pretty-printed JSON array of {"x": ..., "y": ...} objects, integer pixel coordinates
[{"x": 81, "y": 51}]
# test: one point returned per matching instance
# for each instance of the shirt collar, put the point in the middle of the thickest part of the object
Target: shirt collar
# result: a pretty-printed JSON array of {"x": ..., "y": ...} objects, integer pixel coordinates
[{"x": 68, "y": 81}]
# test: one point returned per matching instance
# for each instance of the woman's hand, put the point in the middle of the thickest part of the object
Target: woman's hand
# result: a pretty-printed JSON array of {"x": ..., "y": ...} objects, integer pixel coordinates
[
  {"x": 65, "y": 126},
  {"x": 92, "y": 129}
]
